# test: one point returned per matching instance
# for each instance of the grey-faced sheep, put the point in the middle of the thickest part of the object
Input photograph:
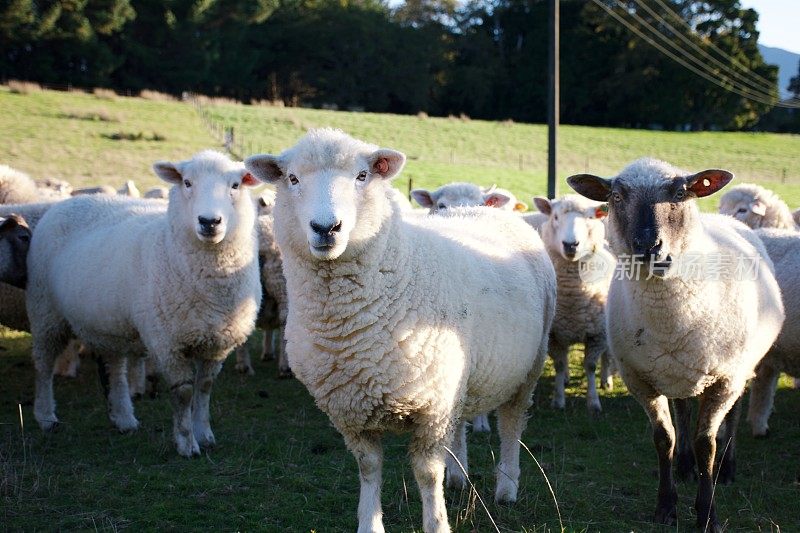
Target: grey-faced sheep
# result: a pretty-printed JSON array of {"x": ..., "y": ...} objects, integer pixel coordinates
[
  {"x": 406, "y": 323},
  {"x": 180, "y": 283},
  {"x": 783, "y": 247},
  {"x": 677, "y": 332},
  {"x": 575, "y": 237},
  {"x": 15, "y": 238},
  {"x": 757, "y": 207}
]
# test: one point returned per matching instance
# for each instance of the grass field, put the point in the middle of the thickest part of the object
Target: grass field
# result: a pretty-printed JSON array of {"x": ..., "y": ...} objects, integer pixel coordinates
[{"x": 279, "y": 465}]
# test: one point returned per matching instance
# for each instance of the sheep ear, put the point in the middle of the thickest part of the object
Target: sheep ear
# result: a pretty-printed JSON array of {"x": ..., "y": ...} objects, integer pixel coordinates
[
  {"x": 592, "y": 187},
  {"x": 168, "y": 172},
  {"x": 707, "y": 182},
  {"x": 758, "y": 207},
  {"x": 8, "y": 224},
  {"x": 265, "y": 167},
  {"x": 543, "y": 204},
  {"x": 520, "y": 207},
  {"x": 495, "y": 199},
  {"x": 248, "y": 180},
  {"x": 386, "y": 163},
  {"x": 422, "y": 197}
]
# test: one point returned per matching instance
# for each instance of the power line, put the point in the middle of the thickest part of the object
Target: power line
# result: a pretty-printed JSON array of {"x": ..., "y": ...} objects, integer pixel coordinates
[
  {"x": 727, "y": 86},
  {"x": 714, "y": 47},
  {"x": 758, "y": 85},
  {"x": 770, "y": 98}
]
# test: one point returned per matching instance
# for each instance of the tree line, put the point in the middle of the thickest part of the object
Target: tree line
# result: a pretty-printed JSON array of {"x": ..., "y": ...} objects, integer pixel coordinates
[{"x": 483, "y": 58}]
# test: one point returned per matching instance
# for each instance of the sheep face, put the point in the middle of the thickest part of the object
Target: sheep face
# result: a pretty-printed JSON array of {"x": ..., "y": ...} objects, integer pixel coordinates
[
  {"x": 15, "y": 238},
  {"x": 329, "y": 187},
  {"x": 207, "y": 194},
  {"x": 743, "y": 206},
  {"x": 458, "y": 195},
  {"x": 573, "y": 229},
  {"x": 651, "y": 209}
]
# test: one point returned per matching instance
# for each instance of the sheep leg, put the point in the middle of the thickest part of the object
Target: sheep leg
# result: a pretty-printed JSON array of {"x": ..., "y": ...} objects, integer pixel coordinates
[
  {"x": 69, "y": 361},
  {"x": 715, "y": 402},
  {"x": 762, "y": 395},
  {"x": 367, "y": 449},
  {"x": 559, "y": 353},
  {"x": 684, "y": 468},
  {"x": 726, "y": 474},
  {"x": 284, "y": 370},
  {"x": 455, "y": 476},
  {"x": 243, "y": 363},
  {"x": 45, "y": 348},
  {"x": 428, "y": 464},
  {"x": 268, "y": 345},
  {"x": 137, "y": 377},
  {"x": 207, "y": 370},
  {"x": 594, "y": 348},
  {"x": 179, "y": 374},
  {"x": 480, "y": 424},
  {"x": 120, "y": 408},
  {"x": 606, "y": 371}
]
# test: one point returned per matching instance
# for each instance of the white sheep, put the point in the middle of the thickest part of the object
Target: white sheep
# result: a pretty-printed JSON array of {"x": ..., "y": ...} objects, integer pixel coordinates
[
  {"x": 406, "y": 323},
  {"x": 575, "y": 239},
  {"x": 17, "y": 187},
  {"x": 678, "y": 330},
  {"x": 15, "y": 238},
  {"x": 458, "y": 195},
  {"x": 757, "y": 207},
  {"x": 783, "y": 247},
  {"x": 53, "y": 189},
  {"x": 180, "y": 284},
  {"x": 512, "y": 205}
]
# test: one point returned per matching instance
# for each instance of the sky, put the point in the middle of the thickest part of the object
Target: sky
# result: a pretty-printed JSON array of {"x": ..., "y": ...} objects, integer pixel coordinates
[{"x": 777, "y": 22}]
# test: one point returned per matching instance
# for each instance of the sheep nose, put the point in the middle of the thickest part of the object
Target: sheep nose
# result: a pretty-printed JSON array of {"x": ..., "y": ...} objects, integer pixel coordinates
[
  {"x": 570, "y": 248},
  {"x": 209, "y": 223},
  {"x": 647, "y": 248},
  {"x": 324, "y": 230}
]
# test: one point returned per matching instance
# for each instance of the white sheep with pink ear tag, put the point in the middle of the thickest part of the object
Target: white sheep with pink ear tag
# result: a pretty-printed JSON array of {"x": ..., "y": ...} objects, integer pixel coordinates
[
  {"x": 178, "y": 282},
  {"x": 408, "y": 323}
]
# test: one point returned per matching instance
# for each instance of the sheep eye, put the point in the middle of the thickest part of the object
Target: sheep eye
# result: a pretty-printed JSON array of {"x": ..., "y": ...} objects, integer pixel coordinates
[
  {"x": 362, "y": 175},
  {"x": 442, "y": 206},
  {"x": 680, "y": 195},
  {"x": 742, "y": 210},
  {"x": 617, "y": 197},
  {"x": 293, "y": 179},
  {"x": 235, "y": 185},
  {"x": 187, "y": 183}
]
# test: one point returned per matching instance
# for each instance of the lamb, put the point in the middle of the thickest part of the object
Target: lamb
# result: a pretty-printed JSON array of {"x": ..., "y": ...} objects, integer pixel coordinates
[
  {"x": 783, "y": 247},
  {"x": 458, "y": 195},
  {"x": 181, "y": 284},
  {"x": 575, "y": 239},
  {"x": 15, "y": 238},
  {"x": 677, "y": 331},
  {"x": 406, "y": 323},
  {"x": 757, "y": 207}
]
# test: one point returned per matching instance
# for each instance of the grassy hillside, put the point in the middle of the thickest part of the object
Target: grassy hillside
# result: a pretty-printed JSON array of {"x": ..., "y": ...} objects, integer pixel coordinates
[
  {"x": 515, "y": 155},
  {"x": 68, "y": 135},
  {"x": 279, "y": 465}
]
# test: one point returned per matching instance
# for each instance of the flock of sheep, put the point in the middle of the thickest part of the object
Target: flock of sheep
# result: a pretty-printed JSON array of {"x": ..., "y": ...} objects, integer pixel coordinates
[{"x": 412, "y": 320}]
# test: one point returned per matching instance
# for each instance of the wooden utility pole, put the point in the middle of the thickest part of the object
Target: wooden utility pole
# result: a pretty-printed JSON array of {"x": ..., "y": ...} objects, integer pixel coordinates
[{"x": 552, "y": 102}]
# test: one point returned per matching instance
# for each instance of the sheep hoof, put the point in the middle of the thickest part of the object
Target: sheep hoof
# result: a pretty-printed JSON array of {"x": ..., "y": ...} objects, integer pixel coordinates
[
  {"x": 761, "y": 433},
  {"x": 50, "y": 426},
  {"x": 125, "y": 424},
  {"x": 205, "y": 438},
  {"x": 285, "y": 373},
  {"x": 506, "y": 493},
  {"x": 666, "y": 515},
  {"x": 595, "y": 410},
  {"x": 187, "y": 446},
  {"x": 456, "y": 480},
  {"x": 243, "y": 368}
]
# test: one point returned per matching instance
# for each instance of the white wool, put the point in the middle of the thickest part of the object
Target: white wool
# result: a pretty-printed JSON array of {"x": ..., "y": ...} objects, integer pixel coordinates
[
  {"x": 757, "y": 207},
  {"x": 783, "y": 247},
  {"x": 418, "y": 323},
  {"x": 159, "y": 289},
  {"x": 16, "y": 187}
]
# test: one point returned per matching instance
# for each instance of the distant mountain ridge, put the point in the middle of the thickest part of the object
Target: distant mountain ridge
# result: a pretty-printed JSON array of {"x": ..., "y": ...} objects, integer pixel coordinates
[{"x": 787, "y": 63}]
